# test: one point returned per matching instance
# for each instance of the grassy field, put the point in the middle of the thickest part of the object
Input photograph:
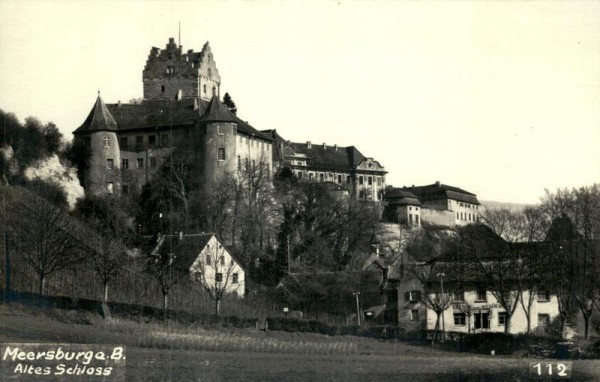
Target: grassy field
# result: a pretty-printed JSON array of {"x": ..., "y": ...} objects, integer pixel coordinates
[{"x": 172, "y": 352}]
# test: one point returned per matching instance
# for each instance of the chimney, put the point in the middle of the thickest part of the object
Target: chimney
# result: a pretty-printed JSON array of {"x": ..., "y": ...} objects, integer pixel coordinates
[
  {"x": 437, "y": 183},
  {"x": 335, "y": 147},
  {"x": 308, "y": 145},
  {"x": 324, "y": 146}
]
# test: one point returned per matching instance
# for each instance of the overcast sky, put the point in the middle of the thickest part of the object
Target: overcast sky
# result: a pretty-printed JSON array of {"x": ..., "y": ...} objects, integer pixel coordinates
[{"x": 499, "y": 98}]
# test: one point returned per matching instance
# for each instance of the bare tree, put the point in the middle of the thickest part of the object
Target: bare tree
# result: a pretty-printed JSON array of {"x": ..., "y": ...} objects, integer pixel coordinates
[
  {"x": 108, "y": 257},
  {"x": 46, "y": 237},
  {"x": 218, "y": 273}
]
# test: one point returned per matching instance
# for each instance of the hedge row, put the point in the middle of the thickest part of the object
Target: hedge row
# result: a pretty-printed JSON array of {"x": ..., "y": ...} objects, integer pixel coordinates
[
  {"x": 312, "y": 326},
  {"x": 130, "y": 311}
]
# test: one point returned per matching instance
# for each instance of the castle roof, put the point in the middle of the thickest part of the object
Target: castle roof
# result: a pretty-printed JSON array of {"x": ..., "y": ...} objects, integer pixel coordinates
[
  {"x": 99, "y": 119},
  {"x": 183, "y": 112},
  {"x": 401, "y": 197},
  {"x": 438, "y": 191},
  {"x": 216, "y": 111},
  {"x": 329, "y": 158}
]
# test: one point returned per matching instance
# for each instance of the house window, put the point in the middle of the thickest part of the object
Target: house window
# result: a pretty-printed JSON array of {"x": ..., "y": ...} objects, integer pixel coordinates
[
  {"x": 125, "y": 163},
  {"x": 414, "y": 315},
  {"x": 221, "y": 153},
  {"x": 214, "y": 91},
  {"x": 348, "y": 179},
  {"x": 253, "y": 164},
  {"x": 219, "y": 277},
  {"x": 239, "y": 162},
  {"x": 110, "y": 164},
  {"x": 361, "y": 180},
  {"x": 125, "y": 189},
  {"x": 410, "y": 219},
  {"x": 417, "y": 219},
  {"x": 339, "y": 179},
  {"x": 543, "y": 296},
  {"x": 110, "y": 187},
  {"x": 140, "y": 163},
  {"x": 543, "y": 320},
  {"x": 106, "y": 142},
  {"x": 152, "y": 140},
  {"x": 458, "y": 295},
  {"x": 321, "y": 177},
  {"x": 234, "y": 278},
  {"x": 153, "y": 162},
  {"x": 310, "y": 176},
  {"x": 413, "y": 296},
  {"x": 299, "y": 174},
  {"x": 370, "y": 180},
  {"x": 139, "y": 141},
  {"x": 379, "y": 181},
  {"x": 164, "y": 140},
  {"x": 502, "y": 318},
  {"x": 457, "y": 215},
  {"x": 481, "y": 294},
  {"x": 460, "y": 319},
  {"x": 204, "y": 88},
  {"x": 208, "y": 260},
  {"x": 222, "y": 260},
  {"x": 124, "y": 143}
]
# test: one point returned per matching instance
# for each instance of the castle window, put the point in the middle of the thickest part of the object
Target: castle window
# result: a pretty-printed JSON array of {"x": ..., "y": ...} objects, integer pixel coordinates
[
  {"x": 204, "y": 88},
  {"x": 379, "y": 181},
  {"x": 219, "y": 132},
  {"x": 125, "y": 189},
  {"x": 170, "y": 70},
  {"x": 110, "y": 164},
  {"x": 124, "y": 143},
  {"x": 152, "y": 140},
  {"x": 253, "y": 164},
  {"x": 339, "y": 179},
  {"x": 348, "y": 179},
  {"x": 234, "y": 126},
  {"x": 124, "y": 163},
  {"x": 162, "y": 88},
  {"x": 221, "y": 153},
  {"x": 106, "y": 142},
  {"x": 209, "y": 72},
  {"x": 153, "y": 162},
  {"x": 110, "y": 187},
  {"x": 139, "y": 142},
  {"x": 214, "y": 91},
  {"x": 140, "y": 163},
  {"x": 239, "y": 162}
]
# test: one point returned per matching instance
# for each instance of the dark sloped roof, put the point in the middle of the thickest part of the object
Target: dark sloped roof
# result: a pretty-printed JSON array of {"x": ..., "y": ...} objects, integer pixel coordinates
[
  {"x": 398, "y": 196},
  {"x": 99, "y": 119},
  {"x": 157, "y": 113},
  {"x": 186, "y": 249},
  {"x": 442, "y": 191},
  {"x": 329, "y": 158},
  {"x": 217, "y": 112}
]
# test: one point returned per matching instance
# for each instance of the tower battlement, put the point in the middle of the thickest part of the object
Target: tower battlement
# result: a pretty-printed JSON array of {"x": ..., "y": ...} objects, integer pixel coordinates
[{"x": 169, "y": 70}]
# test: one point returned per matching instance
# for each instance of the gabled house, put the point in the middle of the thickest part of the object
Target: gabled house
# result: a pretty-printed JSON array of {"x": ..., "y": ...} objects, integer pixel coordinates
[{"x": 206, "y": 260}]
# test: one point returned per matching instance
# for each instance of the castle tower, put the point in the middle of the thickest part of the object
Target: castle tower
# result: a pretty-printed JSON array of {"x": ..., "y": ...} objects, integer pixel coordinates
[
  {"x": 169, "y": 70},
  {"x": 217, "y": 129},
  {"x": 98, "y": 134}
]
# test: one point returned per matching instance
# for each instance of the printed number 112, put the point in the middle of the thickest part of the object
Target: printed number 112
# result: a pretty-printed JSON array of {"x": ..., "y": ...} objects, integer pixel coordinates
[{"x": 562, "y": 369}]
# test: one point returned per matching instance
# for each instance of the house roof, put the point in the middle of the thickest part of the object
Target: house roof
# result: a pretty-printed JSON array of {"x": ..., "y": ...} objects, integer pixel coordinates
[
  {"x": 99, "y": 119},
  {"x": 438, "y": 191},
  {"x": 401, "y": 197},
  {"x": 329, "y": 158},
  {"x": 186, "y": 249},
  {"x": 217, "y": 112}
]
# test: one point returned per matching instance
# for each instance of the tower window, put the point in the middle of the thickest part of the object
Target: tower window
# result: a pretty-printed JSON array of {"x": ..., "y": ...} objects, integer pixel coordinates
[
  {"x": 221, "y": 153},
  {"x": 162, "y": 88},
  {"x": 204, "y": 88},
  {"x": 110, "y": 164},
  {"x": 125, "y": 189},
  {"x": 106, "y": 142},
  {"x": 209, "y": 71},
  {"x": 214, "y": 91}
]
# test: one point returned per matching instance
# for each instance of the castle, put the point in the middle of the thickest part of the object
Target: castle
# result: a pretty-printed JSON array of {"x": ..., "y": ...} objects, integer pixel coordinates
[{"x": 181, "y": 108}]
